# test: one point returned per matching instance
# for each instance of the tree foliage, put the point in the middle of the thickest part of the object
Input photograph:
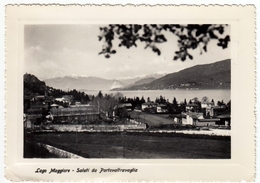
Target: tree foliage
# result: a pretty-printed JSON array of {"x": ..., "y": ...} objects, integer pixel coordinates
[
  {"x": 190, "y": 37},
  {"x": 205, "y": 99}
]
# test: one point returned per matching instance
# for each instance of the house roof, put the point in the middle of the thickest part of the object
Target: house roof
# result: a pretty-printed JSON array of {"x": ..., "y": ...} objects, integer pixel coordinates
[
  {"x": 209, "y": 120},
  {"x": 180, "y": 116},
  {"x": 194, "y": 116},
  {"x": 162, "y": 105},
  {"x": 149, "y": 103},
  {"x": 54, "y": 105},
  {"x": 74, "y": 110},
  {"x": 125, "y": 105},
  {"x": 207, "y": 103},
  {"x": 192, "y": 105},
  {"x": 224, "y": 116}
]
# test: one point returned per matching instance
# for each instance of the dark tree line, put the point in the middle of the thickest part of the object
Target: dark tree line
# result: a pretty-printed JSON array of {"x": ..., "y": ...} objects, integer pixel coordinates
[
  {"x": 136, "y": 101},
  {"x": 77, "y": 95}
]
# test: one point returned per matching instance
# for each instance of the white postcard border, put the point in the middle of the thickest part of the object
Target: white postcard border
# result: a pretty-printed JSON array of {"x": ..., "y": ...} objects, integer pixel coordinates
[{"x": 241, "y": 165}]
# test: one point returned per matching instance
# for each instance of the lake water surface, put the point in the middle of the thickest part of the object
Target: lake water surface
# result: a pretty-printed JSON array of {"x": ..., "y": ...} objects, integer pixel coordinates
[{"x": 180, "y": 95}]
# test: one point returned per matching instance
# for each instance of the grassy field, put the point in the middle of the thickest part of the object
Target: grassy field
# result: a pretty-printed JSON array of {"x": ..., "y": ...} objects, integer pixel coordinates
[
  {"x": 155, "y": 119},
  {"x": 142, "y": 145}
]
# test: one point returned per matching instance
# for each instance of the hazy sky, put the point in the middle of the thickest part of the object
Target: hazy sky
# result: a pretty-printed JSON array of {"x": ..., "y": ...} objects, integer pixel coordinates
[{"x": 59, "y": 50}]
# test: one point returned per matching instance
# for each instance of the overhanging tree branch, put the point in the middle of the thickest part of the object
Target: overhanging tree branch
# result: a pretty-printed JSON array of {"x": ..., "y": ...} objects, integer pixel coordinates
[{"x": 190, "y": 37}]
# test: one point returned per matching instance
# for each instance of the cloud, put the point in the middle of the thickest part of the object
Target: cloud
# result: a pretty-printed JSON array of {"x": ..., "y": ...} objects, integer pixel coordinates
[
  {"x": 35, "y": 48},
  {"x": 52, "y": 51}
]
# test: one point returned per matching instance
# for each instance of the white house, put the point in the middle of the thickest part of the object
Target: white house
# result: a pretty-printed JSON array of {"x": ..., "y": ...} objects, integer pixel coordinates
[
  {"x": 161, "y": 108},
  {"x": 192, "y": 107},
  {"x": 192, "y": 118},
  {"x": 207, "y": 104},
  {"x": 148, "y": 105}
]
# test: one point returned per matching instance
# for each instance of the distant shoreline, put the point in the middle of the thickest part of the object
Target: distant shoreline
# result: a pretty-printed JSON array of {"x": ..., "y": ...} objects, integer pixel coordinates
[{"x": 170, "y": 89}]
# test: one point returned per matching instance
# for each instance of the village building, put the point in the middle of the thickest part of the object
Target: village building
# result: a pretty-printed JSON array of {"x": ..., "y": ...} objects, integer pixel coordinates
[
  {"x": 225, "y": 119},
  {"x": 127, "y": 106},
  {"x": 192, "y": 108},
  {"x": 73, "y": 114},
  {"x": 197, "y": 119},
  {"x": 179, "y": 118},
  {"x": 192, "y": 118},
  {"x": 162, "y": 108},
  {"x": 207, "y": 122},
  {"x": 55, "y": 106},
  {"x": 207, "y": 104},
  {"x": 148, "y": 105},
  {"x": 59, "y": 99}
]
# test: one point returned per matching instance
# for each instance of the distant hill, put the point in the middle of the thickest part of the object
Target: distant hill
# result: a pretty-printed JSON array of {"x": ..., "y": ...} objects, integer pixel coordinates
[
  {"x": 85, "y": 83},
  {"x": 33, "y": 85},
  {"x": 131, "y": 81},
  {"x": 209, "y": 76},
  {"x": 144, "y": 81},
  {"x": 138, "y": 82}
]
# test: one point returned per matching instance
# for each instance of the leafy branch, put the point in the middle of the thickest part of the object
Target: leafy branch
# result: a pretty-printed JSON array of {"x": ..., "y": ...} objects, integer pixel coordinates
[{"x": 190, "y": 37}]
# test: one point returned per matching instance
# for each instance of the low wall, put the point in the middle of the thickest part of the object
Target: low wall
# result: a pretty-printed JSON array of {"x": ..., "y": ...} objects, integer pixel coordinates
[
  {"x": 59, "y": 152},
  {"x": 82, "y": 127},
  {"x": 209, "y": 123}
]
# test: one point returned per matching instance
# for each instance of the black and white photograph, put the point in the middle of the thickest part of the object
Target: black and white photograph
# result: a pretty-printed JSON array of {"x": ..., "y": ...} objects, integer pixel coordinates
[
  {"x": 144, "y": 96},
  {"x": 138, "y": 91}
]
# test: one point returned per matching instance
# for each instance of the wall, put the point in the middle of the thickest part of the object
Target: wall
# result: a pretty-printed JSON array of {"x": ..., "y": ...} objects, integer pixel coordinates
[
  {"x": 79, "y": 128},
  {"x": 211, "y": 123},
  {"x": 59, "y": 152}
]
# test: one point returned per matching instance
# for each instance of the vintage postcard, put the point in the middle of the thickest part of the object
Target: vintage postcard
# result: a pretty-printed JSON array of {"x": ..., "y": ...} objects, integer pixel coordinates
[{"x": 130, "y": 93}]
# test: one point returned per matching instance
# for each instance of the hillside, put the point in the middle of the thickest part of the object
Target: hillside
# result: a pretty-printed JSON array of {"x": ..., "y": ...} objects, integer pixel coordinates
[
  {"x": 141, "y": 82},
  {"x": 209, "y": 76},
  {"x": 141, "y": 79},
  {"x": 33, "y": 85}
]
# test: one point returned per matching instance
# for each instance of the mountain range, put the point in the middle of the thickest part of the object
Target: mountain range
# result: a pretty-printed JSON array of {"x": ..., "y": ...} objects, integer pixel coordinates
[
  {"x": 208, "y": 76},
  {"x": 84, "y": 83}
]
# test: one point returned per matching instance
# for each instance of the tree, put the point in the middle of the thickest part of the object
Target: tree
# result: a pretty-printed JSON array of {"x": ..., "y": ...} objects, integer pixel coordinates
[
  {"x": 142, "y": 100},
  {"x": 182, "y": 106},
  {"x": 221, "y": 104},
  {"x": 118, "y": 95},
  {"x": 123, "y": 113},
  {"x": 185, "y": 102},
  {"x": 148, "y": 99},
  {"x": 205, "y": 99},
  {"x": 190, "y": 37},
  {"x": 174, "y": 102},
  {"x": 229, "y": 106},
  {"x": 195, "y": 100},
  {"x": 100, "y": 95}
]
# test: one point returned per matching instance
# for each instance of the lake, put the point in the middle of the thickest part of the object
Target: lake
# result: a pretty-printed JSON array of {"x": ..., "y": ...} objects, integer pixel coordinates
[{"x": 180, "y": 95}]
